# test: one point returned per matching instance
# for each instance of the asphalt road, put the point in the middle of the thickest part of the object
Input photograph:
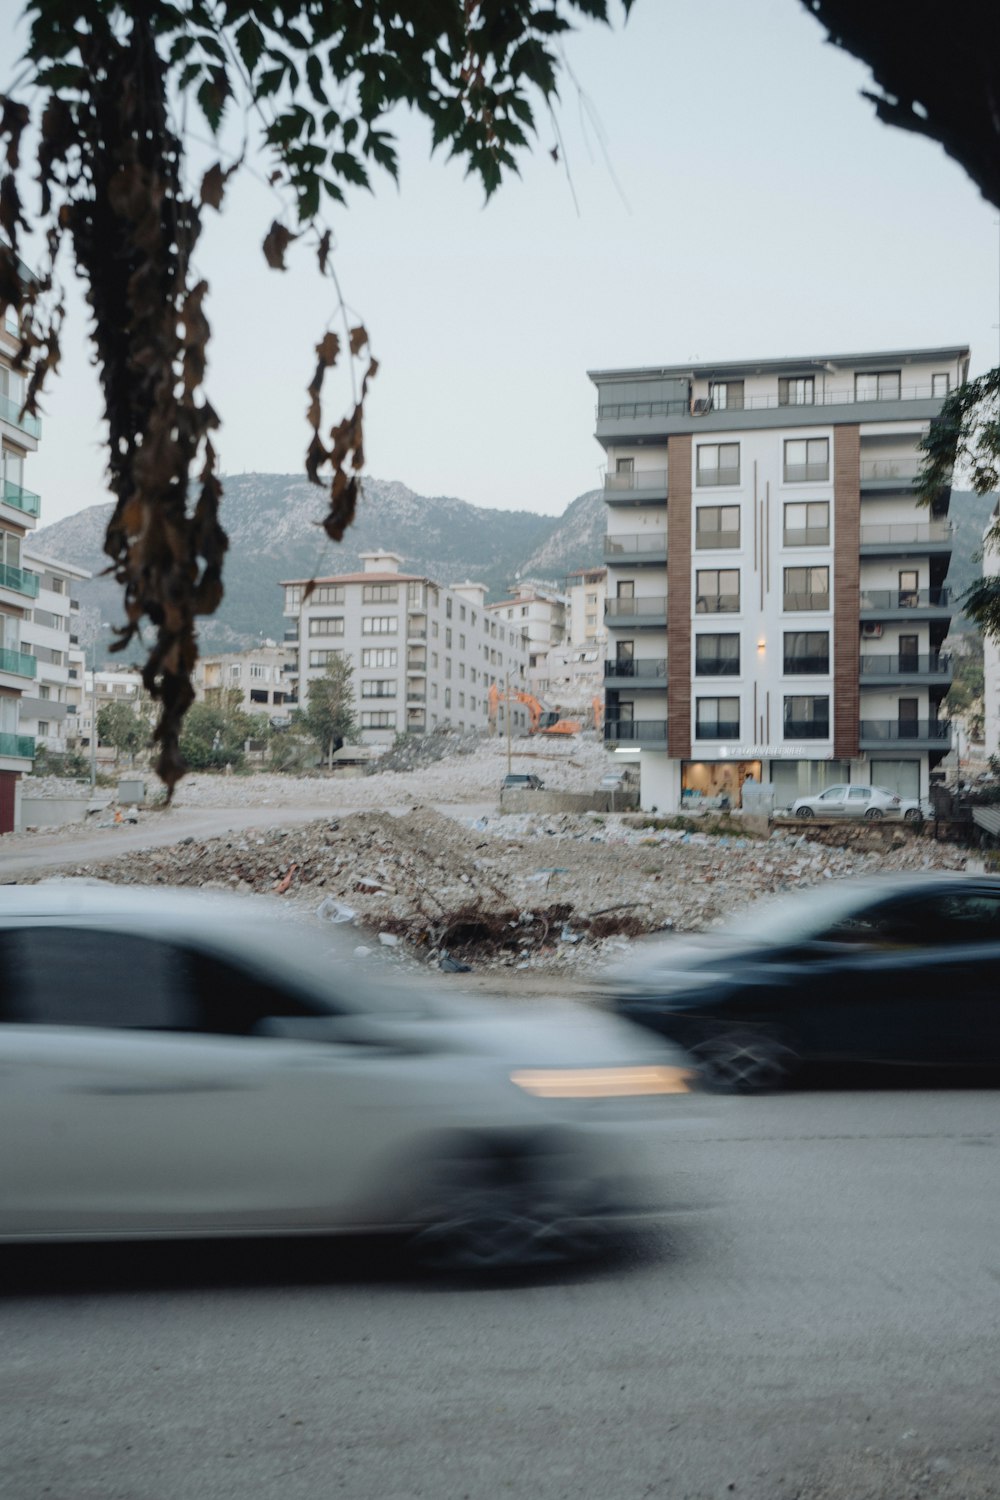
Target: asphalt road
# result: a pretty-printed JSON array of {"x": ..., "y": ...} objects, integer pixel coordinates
[{"x": 829, "y": 1330}]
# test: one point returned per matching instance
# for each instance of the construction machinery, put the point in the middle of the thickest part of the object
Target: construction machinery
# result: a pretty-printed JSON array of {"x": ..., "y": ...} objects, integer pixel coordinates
[{"x": 541, "y": 718}]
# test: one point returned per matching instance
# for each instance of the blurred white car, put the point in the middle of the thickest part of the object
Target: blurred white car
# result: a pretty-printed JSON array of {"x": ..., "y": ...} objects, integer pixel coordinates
[
  {"x": 186, "y": 1064},
  {"x": 853, "y": 801}
]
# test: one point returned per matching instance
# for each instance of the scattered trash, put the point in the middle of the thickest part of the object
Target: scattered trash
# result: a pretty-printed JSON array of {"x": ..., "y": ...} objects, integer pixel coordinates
[
  {"x": 335, "y": 911},
  {"x": 361, "y": 951},
  {"x": 283, "y": 885},
  {"x": 453, "y": 965},
  {"x": 388, "y": 940}
]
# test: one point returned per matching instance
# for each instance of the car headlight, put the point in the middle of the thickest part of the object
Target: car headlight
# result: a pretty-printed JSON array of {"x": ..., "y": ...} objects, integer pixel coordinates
[{"x": 603, "y": 1083}]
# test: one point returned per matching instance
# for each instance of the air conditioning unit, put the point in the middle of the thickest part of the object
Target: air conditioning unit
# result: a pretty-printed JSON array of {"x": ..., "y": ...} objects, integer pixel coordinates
[
  {"x": 870, "y": 632},
  {"x": 701, "y": 406}
]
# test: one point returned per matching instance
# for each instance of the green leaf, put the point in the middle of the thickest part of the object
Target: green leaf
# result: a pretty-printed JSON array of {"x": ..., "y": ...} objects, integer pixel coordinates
[{"x": 250, "y": 44}]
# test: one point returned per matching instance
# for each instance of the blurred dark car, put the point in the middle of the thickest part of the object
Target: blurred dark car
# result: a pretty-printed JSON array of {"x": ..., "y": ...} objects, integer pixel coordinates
[
  {"x": 178, "y": 1063},
  {"x": 892, "y": 969}
]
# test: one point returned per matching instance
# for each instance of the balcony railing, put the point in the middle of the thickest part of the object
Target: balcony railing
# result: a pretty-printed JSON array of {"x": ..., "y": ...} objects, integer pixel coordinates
[
  {"x": 717, "y": 604},
  {"x": 18, "y": 662},
  {"x": 874, "y": 599},
  {"x": 10, "y": 411},
  {"x": 901, "y": 730},
  {"x": 929, "y": 531},
  {"x": 18, "y": 746},
  {"x": 806, "y": 601},
  {"x": 807, "y": 536},
  {"x": 636, "y": 609},
  {"x": 717, "y": 666},
  {"x": 636, "y": 731},
  {"x": 807, "y": 729},
  {"x": 641, "y": 541},
  {"x": 717, "y": 729},
  {"x": 16, "y": 496},
  {"x": 844, "y": 396},
  {"x": 805, "y": 666},
  {"x": 415, "y": 635},
  {"x": 19, "y": 580},
  {"x": 907, "y": 467},
  {"x": 635, "y": 479},
  {"x": 707, "y": 478},
  {"x": 416, "y": 695},
  {"x": 881, "y": 664},
  {"x": 806, "y": 473},
  {"x": 640, "y": 668},
  {"x": 705, "y": 540}
]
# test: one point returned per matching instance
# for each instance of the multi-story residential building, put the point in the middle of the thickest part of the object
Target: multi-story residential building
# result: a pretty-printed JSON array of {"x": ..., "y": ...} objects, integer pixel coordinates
[
  {"x": 123, "y": 685},
  {"x": 991, "y": 650},
  {"x": 586, "y": 593},
  {"x": 539, "y": 611},
  {"x": 423, "y": 655},
  {"x": 49, "y": 632},
  {"x": 19, "y": 586},
  {"x": 261, "y": 675},
  {"x": 776, "y": 601},
  {"x": 575, "y": 668}
]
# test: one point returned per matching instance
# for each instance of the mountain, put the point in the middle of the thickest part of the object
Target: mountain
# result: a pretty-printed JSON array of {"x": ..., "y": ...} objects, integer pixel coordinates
[
  {"x": 968, "y": 514},
  {"x": 271, "y": 520}
]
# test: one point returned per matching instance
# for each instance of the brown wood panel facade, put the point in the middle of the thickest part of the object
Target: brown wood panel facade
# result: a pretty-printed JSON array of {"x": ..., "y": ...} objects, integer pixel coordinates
[
  {"x": 679, "y": 596},
  {"x": 846, "y": 589}
]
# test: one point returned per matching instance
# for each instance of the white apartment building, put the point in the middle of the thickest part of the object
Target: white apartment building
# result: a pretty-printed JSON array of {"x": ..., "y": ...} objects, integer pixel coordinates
[
  {"x": 120, "y": 685},
  {"x": 776, "y": 601},
  {"x": 991, "y": 652},
  {"x": 19, "y": 586},
  {"x": 575, "y": 668},
  {"x": 540, "y": 613},
  {"x": 49, "y": 632},
  {"x": 260, "y": 674},
  {"x": 423, "y": 655}
]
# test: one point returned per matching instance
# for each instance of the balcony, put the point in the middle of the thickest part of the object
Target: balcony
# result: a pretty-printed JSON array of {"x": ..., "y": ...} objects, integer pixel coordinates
[
  {"x": 635, "y": 487},
  {"x": 793, "y": 602},
  {"x": 717, "y": 604},
  {"x": 416, "y": 694},
  {"x": 900, "y": 473},
  {"x": 641, "y": 672},
  {"x": 290, "y": 635},
  {"x": 642, "y": 614},
  {"x": 18, "y": 498},
  {"x": 19, "y": 663},
  {"x": 882, "y": 670},
  {"x": 806, "y": 473},
  {"x": 717, "y": 729},
  {"x": 917, "y": 734},
  {"x": 289, "y": 666},
  {"x": 807, "y": 729},
  {"x": 10, "y": 411},
  {"x": 807, "y": 536},
  {"x": 917, "y": 539},
  {"x": 17, "y": 746},
  {"x": 711, "y": 478},
  {"x": 707, "y": 541},
  {"x": 19, "y": 580},
  {"x": 807, "y": 666},
  {"x": 881, "y": 604},
  {"x": 637, "y": 550},
  {"x": 649, "y": 732}
]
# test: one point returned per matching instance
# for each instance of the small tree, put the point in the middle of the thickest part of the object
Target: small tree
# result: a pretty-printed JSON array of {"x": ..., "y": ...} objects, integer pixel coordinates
[
  {"x": 121, "y": 727},
  {"x": 214, "y": 738},
  {"x": 329, "y": 713}
]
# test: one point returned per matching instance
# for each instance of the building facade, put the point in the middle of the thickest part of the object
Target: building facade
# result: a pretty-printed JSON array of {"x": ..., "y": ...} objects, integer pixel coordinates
[
  {"x": 19, "y": 586},
  {"x": 423, "y": 655},
  {"x": 776, "y": 601},
  {"x": 539, "y": 612},
  {"x": 261, "y": 675},
  {"x": 50, "y": 632}
]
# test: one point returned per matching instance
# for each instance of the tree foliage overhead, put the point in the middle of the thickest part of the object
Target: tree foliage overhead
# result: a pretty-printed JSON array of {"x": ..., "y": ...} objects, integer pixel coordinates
[{"x": 321, "y": 77}]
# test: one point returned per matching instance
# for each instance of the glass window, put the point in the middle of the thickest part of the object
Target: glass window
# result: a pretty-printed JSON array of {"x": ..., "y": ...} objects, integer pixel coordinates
[
  {"x": 807, "y": 718},
  {"x": 718, "y": 463},
  {"x": 66, "y": 976},
  {"x": 807, "y": 460},
  {"x": 717, "y": 655},
  {"x": 807, "y": 588},
  {"x": 717, "y": 718},
  {"x": 379, "y": 625},
  {"x": 796, "y": 390},
  {"x": 806, "y": 651},
  {"x": 379, "y": 656},
  {"x": 878, "y": 385},
  {"x": 717, "y": 526},
  {"x": 326, "y": 625},
  {"x": 726, "y": 395},
  {"x": 807, "y": 523},
  {"x": 717, "y": 590},
  {"x": 380, "y": 718},
  {"x": 327, "y": 593},
  {"x": 380, "y": 593},
  {"x": 378, "y": 687},
  {"x": 323, "y": 658},
  {"x": 940, "y": 385}
]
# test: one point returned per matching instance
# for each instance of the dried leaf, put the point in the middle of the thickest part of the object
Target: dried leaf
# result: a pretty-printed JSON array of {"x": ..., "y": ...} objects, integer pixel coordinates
[
  {"x": 213, "y": 184},
  {"x": 323, "y": 251},
  {"x": 276, "y": 242},
  {"x": 359, "y": 339}
]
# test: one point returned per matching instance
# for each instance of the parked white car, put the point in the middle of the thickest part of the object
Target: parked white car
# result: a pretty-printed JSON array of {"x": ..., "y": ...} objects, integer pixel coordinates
[
  {"x": 182, "y": 1064},
  {"x": 854, "y": 801}
]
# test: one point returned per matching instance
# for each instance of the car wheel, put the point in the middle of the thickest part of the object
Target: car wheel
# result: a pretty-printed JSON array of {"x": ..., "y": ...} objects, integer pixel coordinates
[
  {"x": 913, "y": 815},
  {"x": 804, "y": 812},
  {"x": 873, "y": 814},
  {"x": 496, "y": 1213},
  {"x": 744, "y": 1062}
]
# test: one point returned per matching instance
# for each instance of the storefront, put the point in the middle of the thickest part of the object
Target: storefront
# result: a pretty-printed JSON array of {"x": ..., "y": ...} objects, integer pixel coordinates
[{"x": 716, "y": 783}]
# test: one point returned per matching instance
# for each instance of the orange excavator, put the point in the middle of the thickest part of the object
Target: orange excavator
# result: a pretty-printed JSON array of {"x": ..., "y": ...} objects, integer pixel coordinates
[{"x": 541, "y": 720}]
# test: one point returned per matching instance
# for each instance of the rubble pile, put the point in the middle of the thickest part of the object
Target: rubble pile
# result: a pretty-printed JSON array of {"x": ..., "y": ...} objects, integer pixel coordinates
[
  {"x": 525, "y": 890},
  {"x": 413, "y": 752}
]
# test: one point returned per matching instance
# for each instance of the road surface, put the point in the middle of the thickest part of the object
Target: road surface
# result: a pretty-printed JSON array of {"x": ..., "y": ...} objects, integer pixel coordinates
[{"x": 829, "y": 1332}]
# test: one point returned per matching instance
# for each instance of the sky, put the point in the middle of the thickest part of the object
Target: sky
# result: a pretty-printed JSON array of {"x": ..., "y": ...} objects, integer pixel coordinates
[{"x": 723, "y": 192}]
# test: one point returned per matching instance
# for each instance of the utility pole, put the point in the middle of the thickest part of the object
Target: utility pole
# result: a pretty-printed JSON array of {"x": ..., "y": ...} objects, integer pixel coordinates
[{"x": 507, "y": 716}]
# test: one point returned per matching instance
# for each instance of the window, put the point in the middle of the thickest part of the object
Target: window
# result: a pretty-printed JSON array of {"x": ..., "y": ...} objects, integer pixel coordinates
[
  {"x": 49, "y": 620},
  {"x": 379, "y": 624},
  {"x": 718, "y": 463},
  {"x": 327, "y": 593},
  {"x": 879, "y": 385},
  {"x": 258, "y": 695},
  {"x": 323, "y": 658},
  {"x": 717, "y": 526},
  {"x": 909, "y": 588},
  {"x": 447, "y": 697},
  {"x": 378, "y": 718},
  {"x": 293, "y": 599},
  {"x": 624, "y": 465},
  {"x": 806, "y": 651},
  {"x": 378, "y": 687},
  {"x": 447, "y": 640},
  {"x": 461, "y": 611},
  {"x": 326, "y": 625},
  {"x": 726, "y": 395},
  {"x": 807, "y": 588},
  {"x": 940, "y": 385},
  {"x": 717, "y": 591},
  {"x": 44, "y": 692},
  {"x": 806, "y": 460},
  {"x": 717, "y": 655},
  {"x": 461, "y": 642},
  {"x": 807, "y": 718},
  {"x": 807, "y": 523},
  {"x": 379, "y": 656},
  {"x": 74, "y": 977},
  {"x": 256, "y": 670},
  {"x": 43, "y": 726},
  {"x": 53, "y": 584},
  {"x": 380, "y": 593},
  {"x": 717, "y": 718},
  {"x": 235, "y": 671},
  {"x": 415, "y": 596},
  {"x": 447, "y": 609},
  {"x": 796, "y": 390}
]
